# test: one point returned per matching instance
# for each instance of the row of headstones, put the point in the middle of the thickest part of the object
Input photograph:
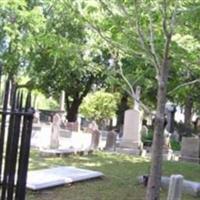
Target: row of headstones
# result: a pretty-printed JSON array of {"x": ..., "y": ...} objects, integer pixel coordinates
[
  {"x": 190, "y": 147},
  {"x": 190, "y": 150}
]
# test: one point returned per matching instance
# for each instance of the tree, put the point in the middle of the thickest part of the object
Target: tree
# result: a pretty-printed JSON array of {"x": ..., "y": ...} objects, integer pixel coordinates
[
  {"x": 154, "y": 23},
  {"x": 66, "y": 58},
  {"x": 184, "y": 77},
  {"x": 99, "y": 106},
  {"x": 18, "y": 26}
]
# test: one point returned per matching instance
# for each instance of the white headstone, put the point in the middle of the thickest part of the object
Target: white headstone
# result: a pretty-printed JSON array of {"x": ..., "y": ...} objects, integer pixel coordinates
[
  {"x": 62, "y": 101},
  {"x": 132, "y": 129},
  {"x": 137, "y": 99},
  {"x": 189, "y": 187}
]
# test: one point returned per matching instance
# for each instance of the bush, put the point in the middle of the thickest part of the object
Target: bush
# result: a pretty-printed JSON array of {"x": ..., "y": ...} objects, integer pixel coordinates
[
  {"x": 99, "y": 106},
  {"x": 147, "y": 139},
  {"x": 176, "y": 146}
]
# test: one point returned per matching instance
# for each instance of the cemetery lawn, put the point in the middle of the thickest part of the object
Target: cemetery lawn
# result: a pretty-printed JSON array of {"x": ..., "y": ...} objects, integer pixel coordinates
[{"x": 119, "y": 183}]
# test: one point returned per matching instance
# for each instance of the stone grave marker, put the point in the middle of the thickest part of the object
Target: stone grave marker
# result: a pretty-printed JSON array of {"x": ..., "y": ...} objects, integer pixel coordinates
[
  {"x": 175, "y": 187},
  {"x": 189, "y": 187},
  {"x": 94, "y": 130},
  {"x": 111, "y": 140},
  {"x": 95, "y": 139},
  {"x": 54, "y": 142},
  {"x": 131, "y": 139},
  {"x": 190, "y": 149},
  {"x": 132, "y": 130}
]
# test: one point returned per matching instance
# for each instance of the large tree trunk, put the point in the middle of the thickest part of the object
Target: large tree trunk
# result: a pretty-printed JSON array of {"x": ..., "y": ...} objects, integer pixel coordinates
[
  {"x": 188, "y": 115},
  {"x": 154, "y": 182},
  {"x": 72, "y": 111},
  {"x": 73, "y": 106},
  {"x": 123, "y": 106}
]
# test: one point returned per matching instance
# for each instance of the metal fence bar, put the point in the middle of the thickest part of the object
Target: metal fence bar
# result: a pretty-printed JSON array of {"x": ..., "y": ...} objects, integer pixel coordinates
[
  {"x": 15, "y": 142},
  {"x": 3, "y": 124},
  {"x": 24, "y": 152},
  {"x": 9, "y": 151},
  {"x": 16, "y": 145}
]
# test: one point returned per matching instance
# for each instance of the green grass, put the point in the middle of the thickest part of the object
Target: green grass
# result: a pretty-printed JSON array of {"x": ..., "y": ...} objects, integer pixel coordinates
[{"x": 119, "y": 183}]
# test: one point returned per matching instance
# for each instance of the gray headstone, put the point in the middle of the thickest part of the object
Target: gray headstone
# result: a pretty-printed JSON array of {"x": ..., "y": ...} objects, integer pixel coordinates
[
  {"x": 189, "y": 187},
  {"x": 111, "y": 140},
  {"x": 95, "y": 139},
  {"x": 175, "y": 187},
  {"x": 54, "y": 143},
  {"x": 190, "y": 149}
]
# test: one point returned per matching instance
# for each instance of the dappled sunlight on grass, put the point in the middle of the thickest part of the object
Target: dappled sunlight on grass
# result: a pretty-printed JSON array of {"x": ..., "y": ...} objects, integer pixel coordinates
[
  {"x": 96, "y": 164},
  {"x": 119, "y": 181},
  {"x": 190, "y": 171}
]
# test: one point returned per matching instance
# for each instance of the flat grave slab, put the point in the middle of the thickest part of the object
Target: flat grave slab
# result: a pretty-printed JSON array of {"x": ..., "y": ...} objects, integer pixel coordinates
[{"x": 46, "y": 178}]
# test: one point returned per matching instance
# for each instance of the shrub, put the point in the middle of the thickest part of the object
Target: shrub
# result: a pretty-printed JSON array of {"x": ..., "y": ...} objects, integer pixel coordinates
[
  {"x": 99, "y": 106},
  {"x": 176, "y": 146},
  {"x": 147, "y": 139}
]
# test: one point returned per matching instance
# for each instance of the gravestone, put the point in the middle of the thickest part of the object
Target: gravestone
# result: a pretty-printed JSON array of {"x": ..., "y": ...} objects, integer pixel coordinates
[
  {"x": 132, "y": 127},
  {"x": 36, "y": 117},
  {"x": 111, "y": 140},
  {"x": 190, "y": 149},
  {"x": 72, "y": 126},
  {"x": 175, "y": 187},
  {"x": 170, "y": 111},
  {"x": 55, "y": 129},
  {"x": 62, "y": 100},
  {"x": 94, "y": 130},
  {"x": 95, "y": 139},
  {"x": 189, "y": 187}
]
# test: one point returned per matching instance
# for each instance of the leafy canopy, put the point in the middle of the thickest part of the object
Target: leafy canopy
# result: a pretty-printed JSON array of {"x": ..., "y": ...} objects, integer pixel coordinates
[{"x": 99, "y": 105}]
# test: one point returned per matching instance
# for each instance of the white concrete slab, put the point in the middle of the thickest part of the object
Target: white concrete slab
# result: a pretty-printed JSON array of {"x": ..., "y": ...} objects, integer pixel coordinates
[
  {"x": 45, "y": 178},
  {"x": 42, "y": 179}
]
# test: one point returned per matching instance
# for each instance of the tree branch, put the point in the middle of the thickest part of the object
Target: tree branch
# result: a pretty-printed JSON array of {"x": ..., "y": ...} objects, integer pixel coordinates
[
  {"x": 148, "y": 47},
  {"x": 111, "y": 42},
  {"x": 152, "y": 45},
  {"x": 104, "y": 37},
  {"x": 164, "y": 11},
  {"x": 173, "y": 18},
  {"x": 132, "y": 93},
  {"x": 184, "y": 85},
  {"x": 112, "y": 14},
  {"x": 169, "y": 31}
]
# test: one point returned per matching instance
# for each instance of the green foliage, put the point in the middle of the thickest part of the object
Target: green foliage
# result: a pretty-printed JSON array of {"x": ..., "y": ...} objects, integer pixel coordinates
[
  {"x": 43, "y": 102},
  {"x": 176, "y": 146},
  {"x": 99, "y": 105},
  {"x": 148, "y": 139},
  {"x": 19, "y": 24}
]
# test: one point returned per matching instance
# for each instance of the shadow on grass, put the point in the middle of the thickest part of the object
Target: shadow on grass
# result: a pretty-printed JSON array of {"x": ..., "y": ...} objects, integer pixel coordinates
[
  {"x": 119, "y": 182},
  {"x": 117, "y": 165}
]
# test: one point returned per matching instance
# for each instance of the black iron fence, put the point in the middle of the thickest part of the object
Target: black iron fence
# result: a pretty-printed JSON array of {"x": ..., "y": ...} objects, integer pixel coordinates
[{"x": 15, "y": 135}]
